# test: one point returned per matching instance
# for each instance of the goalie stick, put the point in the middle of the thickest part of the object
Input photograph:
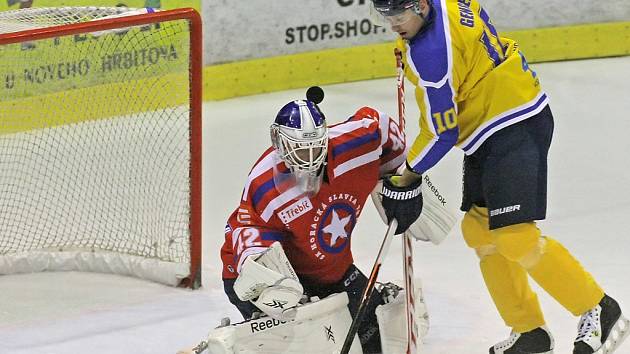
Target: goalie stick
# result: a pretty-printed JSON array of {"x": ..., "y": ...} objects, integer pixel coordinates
[
  {"x": 369, "y": 287},
  {"x": 410, "y": 301}
]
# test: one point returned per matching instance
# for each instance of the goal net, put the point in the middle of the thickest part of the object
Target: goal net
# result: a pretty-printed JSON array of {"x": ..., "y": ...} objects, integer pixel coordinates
[{"x": 100, "y": 142}]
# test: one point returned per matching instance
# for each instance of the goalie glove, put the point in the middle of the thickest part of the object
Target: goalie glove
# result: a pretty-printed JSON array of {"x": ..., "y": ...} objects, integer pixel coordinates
[
  {"x": 437, "y": 219},
  {"x": 403, "y": 203},
  {"x": 269, "y": 282}
]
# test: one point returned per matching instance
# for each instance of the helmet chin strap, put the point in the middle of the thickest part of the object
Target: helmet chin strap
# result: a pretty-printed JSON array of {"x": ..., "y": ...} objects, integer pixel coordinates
[{"x": 426, "y": 19}]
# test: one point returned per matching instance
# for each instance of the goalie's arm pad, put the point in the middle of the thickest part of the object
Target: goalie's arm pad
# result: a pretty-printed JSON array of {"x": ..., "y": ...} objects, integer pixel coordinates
[
  {"x": 392, "y": 140},
  {"x": 437, "y": 219},
  {"x": 269, "y": 282}
]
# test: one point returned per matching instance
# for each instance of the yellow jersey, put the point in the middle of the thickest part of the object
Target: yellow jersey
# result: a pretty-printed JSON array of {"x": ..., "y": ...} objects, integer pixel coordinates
[{"x": 469, "y": 81}]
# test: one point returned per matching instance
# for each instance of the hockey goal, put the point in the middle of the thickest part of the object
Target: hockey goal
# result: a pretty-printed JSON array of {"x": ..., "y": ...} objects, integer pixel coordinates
[{"x": 100, "y": 142}]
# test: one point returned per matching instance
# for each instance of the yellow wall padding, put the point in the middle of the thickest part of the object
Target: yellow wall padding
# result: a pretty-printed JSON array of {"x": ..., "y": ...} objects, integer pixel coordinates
[
  {"x": 93, "y": 103},
  {"x": 299, "y": 70},
  {"x": 575, "y": 42},
  {"x": 377, "y": 61}
]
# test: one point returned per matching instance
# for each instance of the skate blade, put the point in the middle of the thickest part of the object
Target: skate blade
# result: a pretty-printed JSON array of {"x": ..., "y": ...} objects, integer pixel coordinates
[{"x": 617, "y": 335}]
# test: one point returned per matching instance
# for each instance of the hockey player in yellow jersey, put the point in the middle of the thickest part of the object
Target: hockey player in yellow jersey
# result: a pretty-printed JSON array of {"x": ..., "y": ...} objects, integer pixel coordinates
[{"x": 476, "y": 91}]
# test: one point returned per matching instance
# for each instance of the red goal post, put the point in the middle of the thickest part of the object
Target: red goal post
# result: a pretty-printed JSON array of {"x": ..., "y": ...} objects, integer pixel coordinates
[{"x": 100, "y": 142}]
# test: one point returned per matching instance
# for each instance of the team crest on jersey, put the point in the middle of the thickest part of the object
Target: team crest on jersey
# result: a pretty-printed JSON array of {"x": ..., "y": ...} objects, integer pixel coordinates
[
  {"x": 335, "y": 227},
  {"x": 332, "y": 225}
]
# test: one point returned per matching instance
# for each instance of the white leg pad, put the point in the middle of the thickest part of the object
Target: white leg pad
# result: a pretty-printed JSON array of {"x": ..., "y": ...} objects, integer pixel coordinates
[
  {"x": 392, "y": 322},
  {"x": 319, "y": 327}
]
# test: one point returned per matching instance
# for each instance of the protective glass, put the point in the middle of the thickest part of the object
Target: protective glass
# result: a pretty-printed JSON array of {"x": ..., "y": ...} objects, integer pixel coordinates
[{"x": 307, "y": 183}]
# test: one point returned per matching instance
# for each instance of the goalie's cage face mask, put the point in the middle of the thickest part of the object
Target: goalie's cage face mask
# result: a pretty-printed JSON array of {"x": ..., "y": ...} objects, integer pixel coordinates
[{"x": 300, "y": 137}]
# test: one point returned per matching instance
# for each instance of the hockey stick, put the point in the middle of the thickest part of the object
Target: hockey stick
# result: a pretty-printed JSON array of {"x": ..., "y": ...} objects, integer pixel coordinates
[
  {"x": 410, "y": 301},
  {"x": 369, "y": 287}
]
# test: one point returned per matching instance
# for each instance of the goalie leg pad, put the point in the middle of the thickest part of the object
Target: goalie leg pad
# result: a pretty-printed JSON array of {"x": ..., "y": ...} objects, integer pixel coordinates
[
  {"x": 319, "y": 328},
  {"x": 392, "y": 322}
]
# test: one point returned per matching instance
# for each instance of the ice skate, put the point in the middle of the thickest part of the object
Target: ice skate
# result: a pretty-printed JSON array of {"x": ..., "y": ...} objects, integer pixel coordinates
[
  {"x": 602, "y": 329},
  {"x": 537, "y": 341}
]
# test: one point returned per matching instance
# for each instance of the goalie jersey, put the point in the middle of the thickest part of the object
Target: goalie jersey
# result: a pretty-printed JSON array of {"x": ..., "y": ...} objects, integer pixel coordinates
[
  {"x": 315, "y": 231},
  {"x": 470, "y": 82}
]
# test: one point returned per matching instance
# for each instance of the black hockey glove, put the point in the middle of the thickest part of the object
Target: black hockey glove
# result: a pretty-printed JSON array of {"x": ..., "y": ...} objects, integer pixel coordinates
[{"x": 402, "y": 203}]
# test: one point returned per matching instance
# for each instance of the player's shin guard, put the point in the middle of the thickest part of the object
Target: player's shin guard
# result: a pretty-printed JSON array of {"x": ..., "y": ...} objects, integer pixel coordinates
[
  {"x": 563, "y": 277},
  {"x": 509, "y": 287}
]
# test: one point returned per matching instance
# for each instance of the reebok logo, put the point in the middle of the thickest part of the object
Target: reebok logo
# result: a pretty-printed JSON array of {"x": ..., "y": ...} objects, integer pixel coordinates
[
  {"x": 261, "y": 325},
  {"x": 435, "y": 191},
  {"x": 401, "y": 195},
  {"x": 295, "y": 210},
  {"x": 505, "y": 210}
]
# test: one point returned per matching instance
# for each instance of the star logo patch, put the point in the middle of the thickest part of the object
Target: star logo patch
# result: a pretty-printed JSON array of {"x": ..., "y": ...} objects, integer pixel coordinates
[{"x": 335, "y": 227}]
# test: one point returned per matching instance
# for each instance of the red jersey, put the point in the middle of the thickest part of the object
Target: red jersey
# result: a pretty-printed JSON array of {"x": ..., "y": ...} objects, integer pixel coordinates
[{"x": 315, "y": 231}]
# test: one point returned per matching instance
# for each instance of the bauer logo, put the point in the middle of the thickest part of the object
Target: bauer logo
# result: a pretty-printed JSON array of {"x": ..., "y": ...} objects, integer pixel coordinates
[
  {"x": 295, "y": 210},
  {"x": 505, "y": 210}
]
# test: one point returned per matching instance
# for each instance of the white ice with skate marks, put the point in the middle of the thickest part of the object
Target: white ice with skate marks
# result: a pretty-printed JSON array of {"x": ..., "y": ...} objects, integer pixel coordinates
[{"x": 589, "y": 201}]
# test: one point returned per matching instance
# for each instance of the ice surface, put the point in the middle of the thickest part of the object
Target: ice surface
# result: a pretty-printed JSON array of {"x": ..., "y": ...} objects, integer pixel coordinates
[{"x": 589, "y": 203}]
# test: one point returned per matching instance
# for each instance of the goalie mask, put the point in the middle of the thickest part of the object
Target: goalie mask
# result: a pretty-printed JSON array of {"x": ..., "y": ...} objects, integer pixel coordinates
[{"x": 300, "y": 137}]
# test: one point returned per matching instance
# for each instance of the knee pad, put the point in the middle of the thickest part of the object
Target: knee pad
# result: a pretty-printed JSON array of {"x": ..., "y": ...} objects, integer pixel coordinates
[
  {"x": 486, "y": 250},
  {"x": 475, "y": 228},
  {"x": 519, "y": 243}
]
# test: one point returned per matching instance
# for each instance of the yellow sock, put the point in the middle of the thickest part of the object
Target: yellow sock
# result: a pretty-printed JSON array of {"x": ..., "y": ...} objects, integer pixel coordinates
[
  {"x": 508, "y": 285},
  {"x": 564, "y": 278}
]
